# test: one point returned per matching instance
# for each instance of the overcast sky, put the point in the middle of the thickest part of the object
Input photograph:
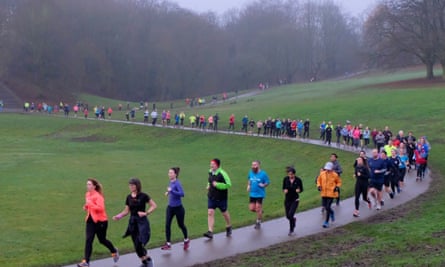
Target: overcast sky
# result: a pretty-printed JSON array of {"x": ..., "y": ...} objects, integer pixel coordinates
[{"x": 353, "y": 7}]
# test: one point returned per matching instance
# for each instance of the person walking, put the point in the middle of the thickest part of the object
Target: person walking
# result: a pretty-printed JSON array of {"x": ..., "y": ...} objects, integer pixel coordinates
[
  {"x": 257, "y": 182},
  {"x": 96, "y": 222},
  {"x": 328, "y": 183},
  {"x": 138, "y": 224},
  {"x": 338, "y": 169},
  {"x": 175, "y": 208},
  {"x": 217, "y": 187},
  {"x": 292, "y": 187},
  {"x": 361, "y": 174}
]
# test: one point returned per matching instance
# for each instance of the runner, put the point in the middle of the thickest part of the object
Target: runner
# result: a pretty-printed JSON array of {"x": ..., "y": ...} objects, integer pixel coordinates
[
  {"x": 96, "y": 222},
  {"x": 292, "y": 187},
  {"x": 217, "y": 186},
  {"x": 377, "y": 168},
  {"x": 175, "y": 208},
  {"x": 328, "y": 183},
  {"x": 256, "y": 186},
  {"x": 138, "y": 224},
  {"x": 362, "y": 175}
]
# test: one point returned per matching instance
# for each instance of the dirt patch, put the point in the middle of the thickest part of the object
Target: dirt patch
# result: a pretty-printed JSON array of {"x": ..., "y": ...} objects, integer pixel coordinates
[
  {"x": 94, "y": 138},
  {"x": 407, "y": 84}
]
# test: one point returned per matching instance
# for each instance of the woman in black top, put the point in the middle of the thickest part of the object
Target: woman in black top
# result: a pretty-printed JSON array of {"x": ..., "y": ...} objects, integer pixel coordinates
[
  {"x": 138, "y": 225},
  {"x": 292, "y": 186},
  {"x": 362, "y": 176}
]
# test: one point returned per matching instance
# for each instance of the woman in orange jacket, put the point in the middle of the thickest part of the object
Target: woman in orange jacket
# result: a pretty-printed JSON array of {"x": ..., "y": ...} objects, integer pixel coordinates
[
  {"x": 328, "y": 183},
  {"x": 96, "y": 222}
]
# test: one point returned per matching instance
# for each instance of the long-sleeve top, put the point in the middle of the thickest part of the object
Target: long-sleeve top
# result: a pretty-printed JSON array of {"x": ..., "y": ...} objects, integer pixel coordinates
[
  {"x": 223, "y": 183},
  {"x": 95, "y": 206},
  {"x": 176, "y": 193}
]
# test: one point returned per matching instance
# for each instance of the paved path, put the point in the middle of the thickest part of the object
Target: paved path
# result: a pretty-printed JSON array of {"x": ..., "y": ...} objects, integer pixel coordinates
[{"x": 272, "y": 232}]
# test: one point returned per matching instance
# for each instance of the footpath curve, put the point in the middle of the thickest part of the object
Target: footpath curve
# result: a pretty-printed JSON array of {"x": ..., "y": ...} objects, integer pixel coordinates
[{"x": 247, "y": 239}]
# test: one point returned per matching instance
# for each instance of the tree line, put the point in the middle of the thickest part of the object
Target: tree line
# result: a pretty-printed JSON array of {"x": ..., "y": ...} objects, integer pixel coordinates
[{"x": 155, "y": 50}]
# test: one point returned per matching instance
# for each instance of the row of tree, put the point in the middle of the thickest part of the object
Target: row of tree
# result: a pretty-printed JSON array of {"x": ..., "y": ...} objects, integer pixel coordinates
[
  {"x": 150, "y": 49},
  {"x": 155, "y": 50}
]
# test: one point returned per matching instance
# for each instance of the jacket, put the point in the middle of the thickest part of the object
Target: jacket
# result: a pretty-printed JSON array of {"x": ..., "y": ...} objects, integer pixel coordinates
[
  {"x": 95, "y": 206},
  {"x": 327, "y": 181},
  {"x": 223, "y": 183}
]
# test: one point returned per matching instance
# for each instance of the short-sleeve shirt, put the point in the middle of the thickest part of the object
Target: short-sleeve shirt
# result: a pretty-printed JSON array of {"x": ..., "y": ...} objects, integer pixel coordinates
[
  {"x": 255, "y": 179},
  {"x": 138, "y": 203}
]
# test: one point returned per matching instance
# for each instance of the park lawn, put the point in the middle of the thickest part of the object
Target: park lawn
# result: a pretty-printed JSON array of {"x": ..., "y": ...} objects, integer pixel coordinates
[
  {"x": 46, "y": 160},
  {"x": 42, "y": 151}
]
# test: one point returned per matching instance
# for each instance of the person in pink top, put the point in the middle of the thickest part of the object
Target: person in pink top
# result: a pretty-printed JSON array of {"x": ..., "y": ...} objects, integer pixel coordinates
[
  {"x": 210, "y": 121},
  {"x": 96, "y": 222},
  {"x": 356, "y": 137},
  {"x": 109, "y": 111}
]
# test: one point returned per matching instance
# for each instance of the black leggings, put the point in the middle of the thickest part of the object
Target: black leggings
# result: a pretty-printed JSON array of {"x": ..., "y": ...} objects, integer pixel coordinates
[
  {"x": 327, "y": 202},
  {"x": 361, "y": 188},
  {"x": 421, "y": 170},
  {"x": 99, "y": 229},
  {"x": 138, "y": 245},
  {"x": 290, "y": 208},
  {"x": 179, "y": 212},
  {"x": 394, "y": 182}
]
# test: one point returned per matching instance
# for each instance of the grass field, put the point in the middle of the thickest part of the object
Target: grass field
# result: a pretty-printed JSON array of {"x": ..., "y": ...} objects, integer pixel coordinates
[{"x": 46, "y": 160}]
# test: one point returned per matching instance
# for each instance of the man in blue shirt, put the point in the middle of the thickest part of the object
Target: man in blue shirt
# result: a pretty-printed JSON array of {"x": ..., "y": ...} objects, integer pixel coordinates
[
  {"x": 256, "y": 186},
  {"x": 378, "y": 168}
]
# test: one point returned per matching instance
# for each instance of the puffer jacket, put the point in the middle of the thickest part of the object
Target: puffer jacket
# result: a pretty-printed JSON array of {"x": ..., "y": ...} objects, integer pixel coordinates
[{"x": 327, "y": 181}]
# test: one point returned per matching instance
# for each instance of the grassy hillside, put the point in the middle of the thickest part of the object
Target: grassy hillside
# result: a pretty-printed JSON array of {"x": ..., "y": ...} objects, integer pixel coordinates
[{"x": 46, "y": 161}]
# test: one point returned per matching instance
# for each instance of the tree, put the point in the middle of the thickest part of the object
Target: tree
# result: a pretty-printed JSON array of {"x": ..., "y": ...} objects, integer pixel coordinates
[{"x": 407, "y": 27}]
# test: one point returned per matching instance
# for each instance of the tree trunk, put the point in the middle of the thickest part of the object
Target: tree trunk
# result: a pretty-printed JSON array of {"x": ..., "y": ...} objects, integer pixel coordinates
[
  {"x": 442, "y": 63},
  {"x": 429, "y": 70}
]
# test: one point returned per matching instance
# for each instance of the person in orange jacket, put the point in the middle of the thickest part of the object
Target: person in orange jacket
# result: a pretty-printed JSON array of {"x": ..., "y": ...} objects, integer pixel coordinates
[
  {"x": 328, "y": 183},
  {"x": 96, "y": 222}
]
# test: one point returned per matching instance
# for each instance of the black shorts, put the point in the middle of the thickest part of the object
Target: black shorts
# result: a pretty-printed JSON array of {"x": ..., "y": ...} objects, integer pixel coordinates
[
  {"x": 378, "y": 186},
  {"x": 214, "y": 204},
  {"x": 258, "y": 200}
]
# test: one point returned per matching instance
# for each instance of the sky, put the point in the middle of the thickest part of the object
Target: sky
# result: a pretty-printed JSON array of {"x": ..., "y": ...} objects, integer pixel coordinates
[{"x": 353, "y": 7}]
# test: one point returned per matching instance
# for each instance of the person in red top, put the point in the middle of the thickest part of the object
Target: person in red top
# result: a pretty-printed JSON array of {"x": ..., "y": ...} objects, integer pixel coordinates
[
  {"x": 96, "y": 222},
  {"x": 232, "y": 122},
  {"x": 109, "y": 111}
]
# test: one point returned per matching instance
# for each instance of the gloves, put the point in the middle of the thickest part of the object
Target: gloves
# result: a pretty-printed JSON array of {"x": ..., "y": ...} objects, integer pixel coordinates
[
  {"x": 337, "y": 189},
  {"x": 319, "y": 188}
]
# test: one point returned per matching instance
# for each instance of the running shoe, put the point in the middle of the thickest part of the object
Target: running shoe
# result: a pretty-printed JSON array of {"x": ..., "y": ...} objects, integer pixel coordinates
[
  {"x": 166, "y": 246},
  {"x": 291, "y": 233},
  {"x": 391, "y": 195},
  {"x": 379, "y": 207},
  {"x": 186, "y": 244},
  {"x": 257, "y": 225},
  {"x": 356, "y": 214},
  {"x": 208, "y": 234},
  {"x": 229, "y": 231},
  {"x": 382, "y": 203},
  {"x": 83, "y": 263},
  {"x": 115, "y": 256},
  {"x": 325, "y": 225}
]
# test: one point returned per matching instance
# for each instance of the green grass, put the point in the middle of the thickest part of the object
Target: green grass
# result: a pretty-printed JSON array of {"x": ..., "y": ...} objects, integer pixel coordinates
[{"x": 46, "y": 160}]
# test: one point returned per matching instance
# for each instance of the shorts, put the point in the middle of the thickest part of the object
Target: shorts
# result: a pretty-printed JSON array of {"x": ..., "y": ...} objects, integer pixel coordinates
[
  {"x": 378, "y": 186},
  {"x": 214, "y": 204},
  {"x": 258, "y": 200}
]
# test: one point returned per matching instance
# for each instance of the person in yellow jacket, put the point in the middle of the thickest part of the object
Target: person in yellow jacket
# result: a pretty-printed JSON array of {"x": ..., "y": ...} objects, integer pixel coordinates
[{"x": 328, "y": 183}]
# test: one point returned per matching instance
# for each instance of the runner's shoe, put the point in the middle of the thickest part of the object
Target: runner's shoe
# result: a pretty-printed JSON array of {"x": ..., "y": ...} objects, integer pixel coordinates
[
  {"x": 325, "y": 225},
  {"x": 208, "y": 234},
  {"x": 83, "y": 263},
  {"x": 166, "y": 246},
  {"x": 115, "y": 256},
  {"x": 186, "y": 244},
  {"x": 257, "y": 225},
  {"x": 229, "y": 231}
]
